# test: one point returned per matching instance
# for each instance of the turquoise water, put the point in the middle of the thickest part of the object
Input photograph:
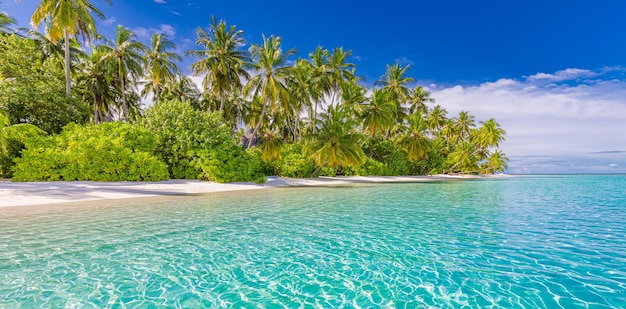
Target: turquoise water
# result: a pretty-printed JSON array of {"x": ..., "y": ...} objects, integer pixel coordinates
[{"x": 523, "y": 242}]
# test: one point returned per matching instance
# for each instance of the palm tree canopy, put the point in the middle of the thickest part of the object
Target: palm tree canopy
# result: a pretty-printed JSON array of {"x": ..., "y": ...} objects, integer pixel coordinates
[
  {"x": 378, "y": 113},
  {"x": 414, "y": 141},
  {"x": 335, "y": 144},
  {"x": 126, "y": 55},
  {"x": 160, "y": 62},
  {"x": 5, "y": 22},
  {"x": 15, "y": 131},
  {"x": 67, "y": 16},
  {"x": 395, "y": 82},
  {"x": 268, "y": 86},
  {"x": 418, "y": 99},
  {"x": 220, "y": 58}
]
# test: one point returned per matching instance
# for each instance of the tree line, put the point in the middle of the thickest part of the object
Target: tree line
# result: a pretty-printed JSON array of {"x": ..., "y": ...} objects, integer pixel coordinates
[{"x": 274, "y": 101}]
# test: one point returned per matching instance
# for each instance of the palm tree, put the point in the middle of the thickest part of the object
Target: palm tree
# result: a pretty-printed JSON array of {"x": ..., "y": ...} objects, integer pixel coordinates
[
  {"x": 378, "y": 113},
  {"x": 463, "y": 125},
  {"x": 339, "y": 70},
  {"x": 304, "y": 89},
  {"x": 220, "y": 60},
  {"x": 66, "y": 18},
  {"x": 181, "y": 87},
  {"x": 335, "y": 144},
  {"x": 269, "y": 84},
  {"x": 490, "y": 134},
  {"x": 96, "y": 79},
  {"x": 321, "y": 75},
  {"x": 418, "y": 99},
  {"x": 353, "y": 97},
  {"x": 437, "y": 118},
  {"x": 463, "y": 158},
  {"x": 126, "y": 55},
  {"x": 5, "y": 22},
  {"x": 16, "y": 131},
  {"x": 414, "y": 141},
  {"x": 497, "y": 162},
  {"x": 159, "y": 64},
  {"x": 395, "y": 83}
]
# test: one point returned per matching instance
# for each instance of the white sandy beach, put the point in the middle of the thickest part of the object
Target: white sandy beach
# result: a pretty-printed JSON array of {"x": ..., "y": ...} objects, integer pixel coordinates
[{"x": 39, "y": 193}]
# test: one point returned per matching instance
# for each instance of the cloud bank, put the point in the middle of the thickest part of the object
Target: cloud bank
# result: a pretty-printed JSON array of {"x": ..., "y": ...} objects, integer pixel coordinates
[{"x": 554, "y": 121}]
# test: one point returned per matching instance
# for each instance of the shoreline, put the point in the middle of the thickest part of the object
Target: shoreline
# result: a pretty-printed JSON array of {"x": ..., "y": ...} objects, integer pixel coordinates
[{"x": 15, "y": 194}]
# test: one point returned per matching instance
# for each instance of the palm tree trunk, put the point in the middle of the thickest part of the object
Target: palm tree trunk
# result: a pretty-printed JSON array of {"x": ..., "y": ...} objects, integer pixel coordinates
[
  {"x": 314, "y": 127},
  {"x": 95, "y": 110},
  {"x": 258, "y": 126},
  {"x": 124, "y": 110},
  {"x": 68, "y": 86},
  {"x": 221, "y": 101},
  {"x": 156, "y": 94},
  {"x": 318, "y": 168}
]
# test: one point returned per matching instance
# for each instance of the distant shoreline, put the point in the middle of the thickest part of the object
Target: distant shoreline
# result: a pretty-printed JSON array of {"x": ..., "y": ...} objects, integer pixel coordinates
[{"x": 42, "y": 193}]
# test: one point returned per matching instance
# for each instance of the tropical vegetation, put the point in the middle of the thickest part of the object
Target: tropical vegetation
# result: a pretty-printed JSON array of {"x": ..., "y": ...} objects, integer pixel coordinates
[{"x": 259, "y": 111}]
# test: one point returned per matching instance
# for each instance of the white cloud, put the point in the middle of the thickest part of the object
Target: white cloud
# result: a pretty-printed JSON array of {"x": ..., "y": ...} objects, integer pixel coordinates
[
  {"x": 551, "y": 119},
  {"x": 109, "y": 21},
  {"x": 567, "y": 74},
  {"x": 146, "y": 33},
  {"x": 160, "y": 1}
]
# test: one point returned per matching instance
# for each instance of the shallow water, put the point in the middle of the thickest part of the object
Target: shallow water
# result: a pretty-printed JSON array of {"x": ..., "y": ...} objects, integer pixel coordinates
[{"x": 522, "y": 242}]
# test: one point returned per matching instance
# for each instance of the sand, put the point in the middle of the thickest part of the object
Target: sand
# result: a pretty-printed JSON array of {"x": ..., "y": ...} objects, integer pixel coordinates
[{"x": 40, "y": 193}]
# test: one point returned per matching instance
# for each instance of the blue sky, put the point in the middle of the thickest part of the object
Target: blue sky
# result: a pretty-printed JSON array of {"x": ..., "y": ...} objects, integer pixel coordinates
[{"x": 552, "y": 72}]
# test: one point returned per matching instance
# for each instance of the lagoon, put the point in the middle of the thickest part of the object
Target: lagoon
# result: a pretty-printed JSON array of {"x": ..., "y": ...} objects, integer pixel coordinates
[{"x": 514, "y": 242}]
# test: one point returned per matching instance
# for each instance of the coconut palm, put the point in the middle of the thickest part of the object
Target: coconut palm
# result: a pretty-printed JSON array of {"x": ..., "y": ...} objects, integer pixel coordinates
[
  {"x": 181, "y": 87},
  {"x": 64, "y": 19},
  {"x": 437, "y": 118},
  {"x": 126, "y": 55},
  {"x": 463, "y": 158},
  {"x": 5, "y": 22},
  {"x": 335, "y": 144},
  {"x": 271, "y": 146},
  {"x": 418, "y": 99},
  {"x": 160, "y": 63},
  {"x": 414, "y": 140},
  {"x": 268, "y": 86},
  {"x": 497, "y": 162},
  {"x": 304, "y": 89},
  {"x": 96, "y": 80},
  {"x": 464, "y": 124},
  {"x": 353, "y": 97},
  {"x": 395, "y": 82},
  {"x": 321, "y": 75},
  {"x": 378, "y": 112},
  {"x": 339, "y": 70},
  {"x": 18, "y": 131},
  {"x": 220, "y": 58},
  {"x": 490, "y": 134}
]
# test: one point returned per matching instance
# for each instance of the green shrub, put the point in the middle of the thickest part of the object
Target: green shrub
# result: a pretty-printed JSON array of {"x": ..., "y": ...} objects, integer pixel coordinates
[
  {"x": 107, "y": 152},
  {"x": 294, "y": 164},
  {"x": 198, "y": 145}
]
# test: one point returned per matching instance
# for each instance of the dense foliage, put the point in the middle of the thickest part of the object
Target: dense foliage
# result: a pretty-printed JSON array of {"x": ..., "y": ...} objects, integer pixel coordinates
[
  {"x": 197, "y": 145},
  {"x": 258, "y": 112},
  {"x": 107, "y": 152},
  {"x": 32, "y": 88}
]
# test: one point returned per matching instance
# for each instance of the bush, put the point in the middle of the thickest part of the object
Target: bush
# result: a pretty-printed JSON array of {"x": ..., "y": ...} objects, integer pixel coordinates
[
  {"x": 294, "y": 164},
  {"x": 197, "y": 145},
  {"x": 32, "y": 87},
  {"x": 107, "y": 152}
]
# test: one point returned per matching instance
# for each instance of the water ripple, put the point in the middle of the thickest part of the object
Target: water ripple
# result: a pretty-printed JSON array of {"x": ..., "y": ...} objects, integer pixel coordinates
[{"x": 549, "y": 242}]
